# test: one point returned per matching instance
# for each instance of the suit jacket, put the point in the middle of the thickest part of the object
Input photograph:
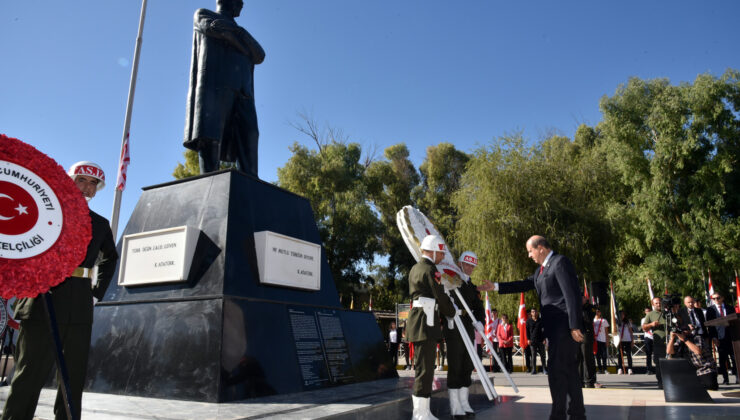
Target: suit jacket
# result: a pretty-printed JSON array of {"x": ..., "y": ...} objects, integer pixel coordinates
[
  {"x": 684, "y": 320},
  {"x": 559, "y": 293},
  {"x": 713, "y": 313},
  {"x": 505, "y": 335}
]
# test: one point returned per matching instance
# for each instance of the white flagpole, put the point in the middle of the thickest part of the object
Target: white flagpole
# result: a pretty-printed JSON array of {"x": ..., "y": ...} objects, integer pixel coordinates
[{"x": 127, "y": 122}]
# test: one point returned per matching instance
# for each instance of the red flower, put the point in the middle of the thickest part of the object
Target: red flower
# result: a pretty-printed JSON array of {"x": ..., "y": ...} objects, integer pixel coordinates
[{"x": 32, "y": 276}]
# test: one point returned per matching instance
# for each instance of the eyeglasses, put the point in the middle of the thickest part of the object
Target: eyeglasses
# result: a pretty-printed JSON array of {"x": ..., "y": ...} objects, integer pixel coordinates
[{"x": 717, "y": 298}]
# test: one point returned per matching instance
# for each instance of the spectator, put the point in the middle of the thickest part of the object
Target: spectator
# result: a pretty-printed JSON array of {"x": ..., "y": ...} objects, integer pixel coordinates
[
  {"x": 600, "y": 328},
  {"x": 648, "y": 339},
  {"x": 695, "y": 349},
  {"x": 721, "y": 337},
  {"x": 626, "y": 342},
  {"x": 505, "y": 335},
  {"x": 655, "y": 321},
  {"x": 494, "y": 327},
  {"x": 536, "y": 338},
  {"x": 479, "y": 344},
  {"x": 586, "y": 365},
  {"x": 406, "y": 348},
  {"x": 393, "y": 341},
  {"x": 441, "y": 353},
  {"x": 692, "y": 318}
]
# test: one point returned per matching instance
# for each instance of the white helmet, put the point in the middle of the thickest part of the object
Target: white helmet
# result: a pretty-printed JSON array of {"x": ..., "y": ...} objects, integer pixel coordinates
[
  {"x": 469, "y": 257},
  {"x": 87, "y": 168},
  {"x": 432, "y": 243}
]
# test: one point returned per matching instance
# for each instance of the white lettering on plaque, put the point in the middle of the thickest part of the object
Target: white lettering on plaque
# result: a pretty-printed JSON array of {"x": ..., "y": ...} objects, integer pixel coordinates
[
  {"x": 157, "y": 256},
  {"x": 286, "y": 261}
]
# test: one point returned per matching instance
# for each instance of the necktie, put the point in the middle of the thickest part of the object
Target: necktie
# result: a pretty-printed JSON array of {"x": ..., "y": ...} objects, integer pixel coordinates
[
  {"x": 722, "y": 310},
  {"x": 542, "y": 267}
]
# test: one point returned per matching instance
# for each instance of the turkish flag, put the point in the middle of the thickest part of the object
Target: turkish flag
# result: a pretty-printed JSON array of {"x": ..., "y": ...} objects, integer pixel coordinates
[{"x": 18, "y": 210}]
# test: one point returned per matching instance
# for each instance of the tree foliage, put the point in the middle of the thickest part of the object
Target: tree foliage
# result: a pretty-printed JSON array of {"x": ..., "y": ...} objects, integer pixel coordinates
[
  {"x": 511, "y": 191},
  {"x": 333, "y": 180},
  {"x": 441, "y": 172},
  {"x": 675, "y": 150},
  {"x": 389, "y": 184}
]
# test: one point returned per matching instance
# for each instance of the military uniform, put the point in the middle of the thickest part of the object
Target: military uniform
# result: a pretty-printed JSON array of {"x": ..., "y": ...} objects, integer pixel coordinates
[
  {"x": 73, "y": 304},
  {"x": 423, "y": 284},
  {"x": 460, "y": 367}
]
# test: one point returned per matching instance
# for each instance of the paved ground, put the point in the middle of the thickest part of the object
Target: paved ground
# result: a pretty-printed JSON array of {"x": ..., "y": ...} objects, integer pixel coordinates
[{"x": 631, "y": 397}]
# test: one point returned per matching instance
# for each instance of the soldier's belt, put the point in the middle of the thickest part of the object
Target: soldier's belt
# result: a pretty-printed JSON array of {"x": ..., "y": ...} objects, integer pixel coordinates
[{"x": 85, "y": 273}]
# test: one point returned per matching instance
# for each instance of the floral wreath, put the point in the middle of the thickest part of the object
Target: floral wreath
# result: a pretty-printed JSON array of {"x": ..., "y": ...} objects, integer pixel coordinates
[{"x": 32, "y": 276}]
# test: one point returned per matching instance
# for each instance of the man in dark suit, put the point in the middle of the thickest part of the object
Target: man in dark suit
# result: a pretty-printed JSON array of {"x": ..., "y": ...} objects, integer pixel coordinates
[
  {"x": 692, "y": 319},
  {"x": 721, "y": 338},
  {"x": 560, "y": 305}
]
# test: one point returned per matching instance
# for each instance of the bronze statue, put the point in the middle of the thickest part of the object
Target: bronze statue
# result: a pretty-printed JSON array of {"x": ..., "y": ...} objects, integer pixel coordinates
[{"x": 221, "y": 122}]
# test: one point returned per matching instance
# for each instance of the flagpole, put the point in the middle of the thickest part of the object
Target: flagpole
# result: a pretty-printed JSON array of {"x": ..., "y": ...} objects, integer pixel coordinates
[{"x": 127, "y": 121}]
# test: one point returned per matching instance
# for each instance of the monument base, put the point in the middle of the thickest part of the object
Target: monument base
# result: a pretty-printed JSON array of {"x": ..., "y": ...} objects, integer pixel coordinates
[{"x": 222, "y": 335}]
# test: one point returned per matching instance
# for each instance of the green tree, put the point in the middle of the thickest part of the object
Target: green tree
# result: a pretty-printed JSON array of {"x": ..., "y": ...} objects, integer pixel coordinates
[
  {"x": 332, "y": 179},
  {"x": 389, "y": 185},
  {"x": 511, "y": 192},
  {"x": 191, "y": 167},
  {"x": 675, "y": 149},
  {"x": 441, "y": 172}
]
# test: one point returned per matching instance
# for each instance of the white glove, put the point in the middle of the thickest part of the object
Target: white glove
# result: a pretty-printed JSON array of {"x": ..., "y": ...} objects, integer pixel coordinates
[{"x": 450, "y": 323}]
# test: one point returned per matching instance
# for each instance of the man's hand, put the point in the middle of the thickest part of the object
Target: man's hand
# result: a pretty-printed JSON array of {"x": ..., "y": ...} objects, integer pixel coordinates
[
  {"x": 577, "y": 335},
  {"x": 487, "y": 286}
]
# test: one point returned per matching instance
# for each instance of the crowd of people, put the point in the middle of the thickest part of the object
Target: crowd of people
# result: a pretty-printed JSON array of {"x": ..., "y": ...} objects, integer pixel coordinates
[{"x": 581, "y": 330}]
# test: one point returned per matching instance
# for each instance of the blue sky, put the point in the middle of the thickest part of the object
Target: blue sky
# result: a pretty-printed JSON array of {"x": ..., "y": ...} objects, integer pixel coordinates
[{"x": 384, "y": 72}]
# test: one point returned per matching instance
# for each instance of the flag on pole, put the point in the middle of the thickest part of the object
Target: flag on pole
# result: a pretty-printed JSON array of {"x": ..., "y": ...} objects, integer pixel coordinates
[
  {"x": 737, "y": 291},
  {"x": 650, "y": 289},
  {"x": 585, "y": 289},
  {"x": 614, "y": 309},
  {"x": 370, "y": 306},
  {"x": 488, "y": 330},
  {"x": 711, "y": 288},
  {"x": 352, "y": 302},
  {"x": 123, "y": 164},
  {"x": 522, "y": 323}
]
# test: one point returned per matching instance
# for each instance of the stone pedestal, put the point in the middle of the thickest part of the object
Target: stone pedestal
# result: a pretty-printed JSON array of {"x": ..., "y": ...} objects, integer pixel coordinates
[{"x": 221, "y": 335}]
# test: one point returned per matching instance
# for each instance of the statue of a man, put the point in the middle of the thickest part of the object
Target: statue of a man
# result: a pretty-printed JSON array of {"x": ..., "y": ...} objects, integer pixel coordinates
[{"x": 221, "y": 122}]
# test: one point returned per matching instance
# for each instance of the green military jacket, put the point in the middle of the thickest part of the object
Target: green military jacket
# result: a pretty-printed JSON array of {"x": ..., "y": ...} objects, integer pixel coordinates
[
  {"x": 423, "y": 283},
  {"x": 72, "y": 298}
]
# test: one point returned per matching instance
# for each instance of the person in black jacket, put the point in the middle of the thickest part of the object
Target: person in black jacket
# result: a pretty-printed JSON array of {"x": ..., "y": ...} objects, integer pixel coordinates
[
  {"x": 587, "y": 364},
  {"x": 536, "y": 338},
  {"x": 721, "y": 337},
  {"x": 73, "y": 304},
  {"x": 560, "y": 303}
]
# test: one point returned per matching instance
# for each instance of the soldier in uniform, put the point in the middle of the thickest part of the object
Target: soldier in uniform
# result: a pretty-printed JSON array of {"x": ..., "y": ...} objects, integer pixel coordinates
[
  {"x": 429, "y": 301},
  {"x": 460, "y": 367},
  {"x": 73, "y": 304}
]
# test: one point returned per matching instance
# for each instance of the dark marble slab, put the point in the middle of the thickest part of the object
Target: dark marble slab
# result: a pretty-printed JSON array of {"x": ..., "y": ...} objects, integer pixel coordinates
[{"x": 221, "y": 335}]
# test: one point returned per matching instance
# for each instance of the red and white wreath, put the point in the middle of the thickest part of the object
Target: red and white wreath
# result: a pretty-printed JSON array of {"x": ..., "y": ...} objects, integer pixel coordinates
[{"x": 44, "y": 221}]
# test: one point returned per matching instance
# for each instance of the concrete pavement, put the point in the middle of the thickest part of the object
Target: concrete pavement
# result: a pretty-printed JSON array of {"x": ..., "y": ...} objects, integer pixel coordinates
[{"x": 631, "y": 397}]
